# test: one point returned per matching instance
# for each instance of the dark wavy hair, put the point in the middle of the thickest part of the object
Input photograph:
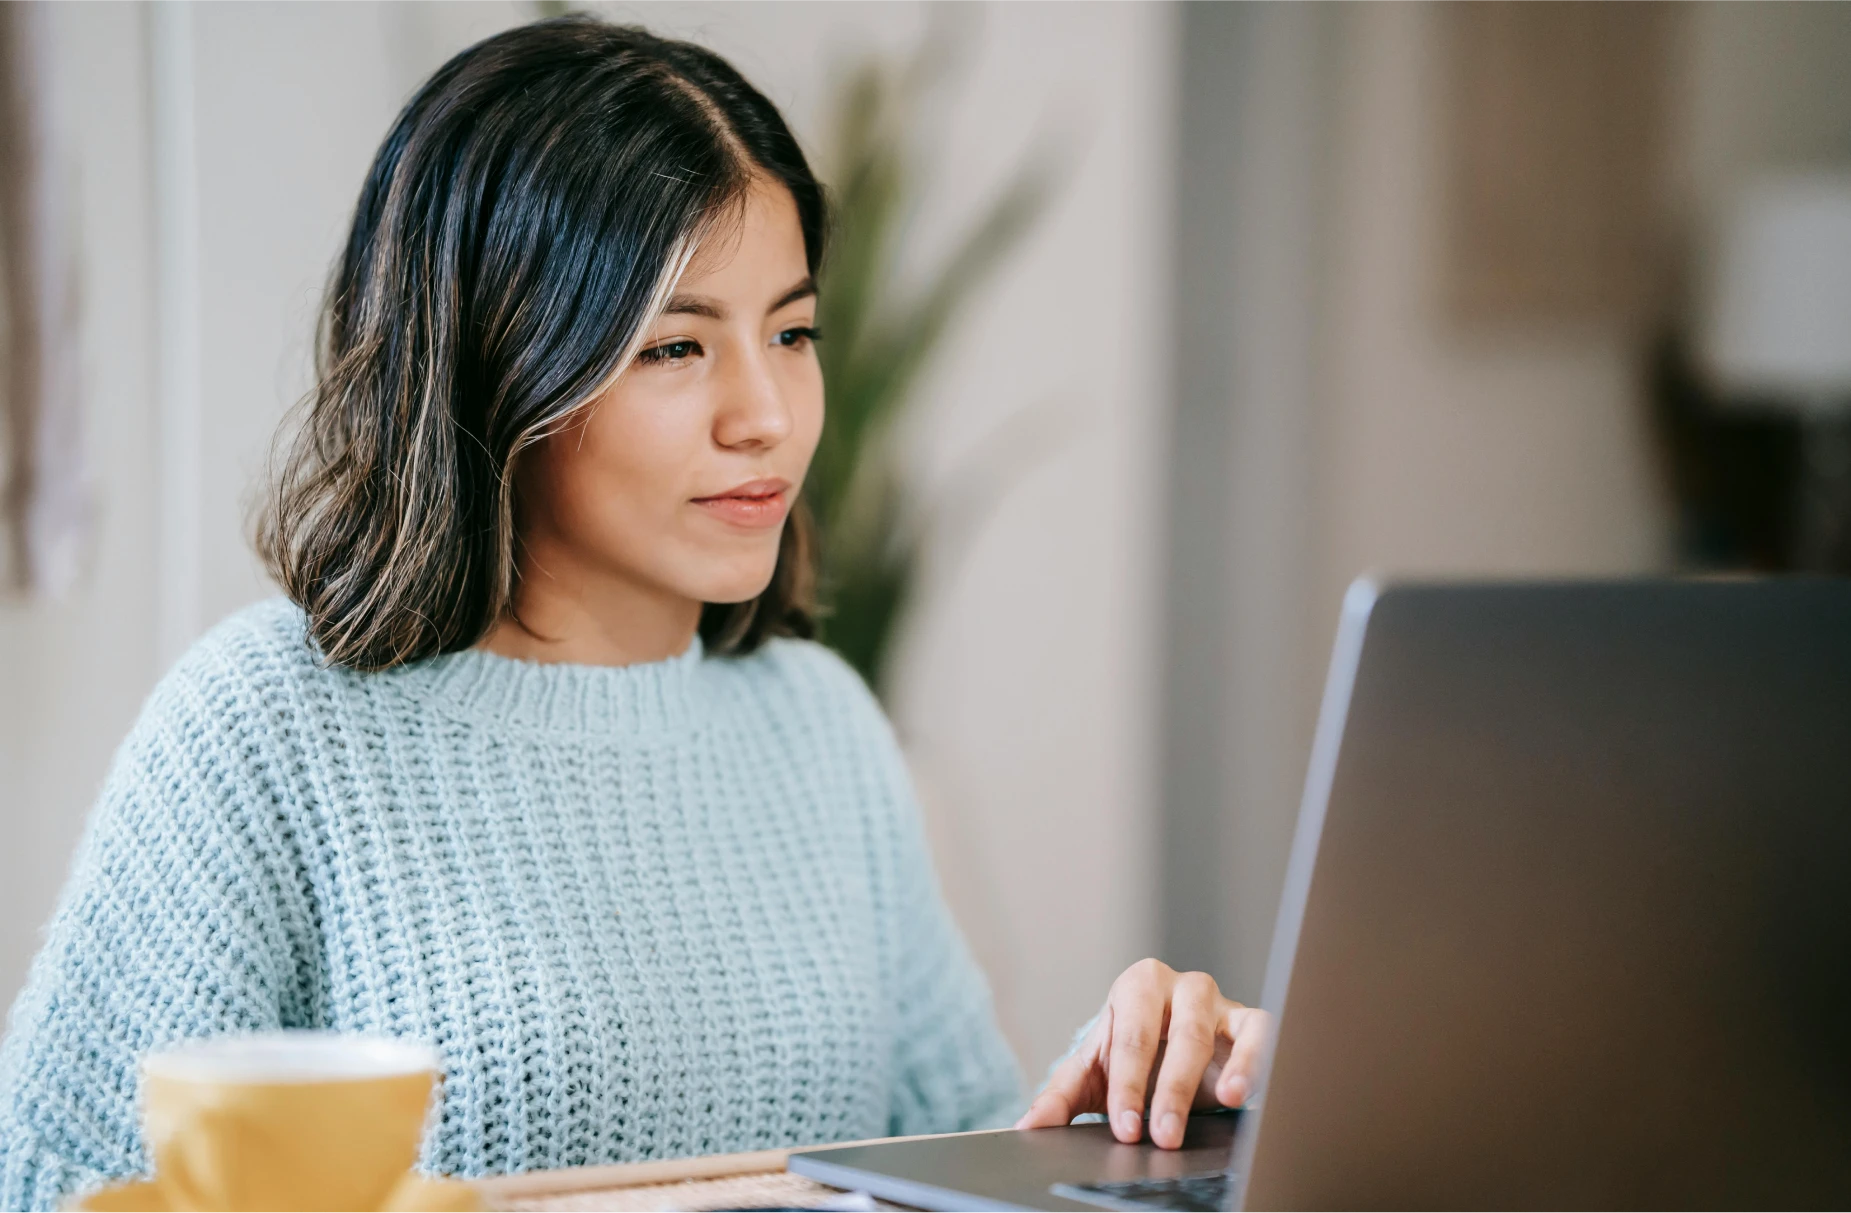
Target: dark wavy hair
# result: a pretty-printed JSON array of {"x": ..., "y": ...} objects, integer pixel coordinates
[{"x": 518, "y": 231}]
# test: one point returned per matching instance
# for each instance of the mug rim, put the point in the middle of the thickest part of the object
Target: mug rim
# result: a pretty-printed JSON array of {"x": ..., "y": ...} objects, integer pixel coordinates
[{"x": 290, "y": 1056}]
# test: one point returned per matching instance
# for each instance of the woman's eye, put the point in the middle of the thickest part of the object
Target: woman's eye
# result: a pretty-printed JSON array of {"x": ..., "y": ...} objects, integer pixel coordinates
[
  {"x": 670, "y": 351},
  {"x": 793, "y": 337}
]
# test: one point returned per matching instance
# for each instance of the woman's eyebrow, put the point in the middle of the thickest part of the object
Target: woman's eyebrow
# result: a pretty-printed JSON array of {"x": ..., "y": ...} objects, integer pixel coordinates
[
  {"x": 700, "y": 305},
  {"x": 803, "y": 290},
  {"x": 694, "y": 305}
]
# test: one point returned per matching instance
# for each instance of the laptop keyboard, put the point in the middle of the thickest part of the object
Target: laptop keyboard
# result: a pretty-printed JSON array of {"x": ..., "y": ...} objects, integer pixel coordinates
[{"x": 1206, "y": 1190}]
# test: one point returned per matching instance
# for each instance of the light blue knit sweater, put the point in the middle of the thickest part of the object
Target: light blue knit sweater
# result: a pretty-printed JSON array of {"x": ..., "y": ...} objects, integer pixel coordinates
[{"x": 657, "y": 910}]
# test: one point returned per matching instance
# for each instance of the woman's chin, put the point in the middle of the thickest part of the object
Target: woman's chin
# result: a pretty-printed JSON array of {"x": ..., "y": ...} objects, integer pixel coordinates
[{"x": 729, "y": 591}]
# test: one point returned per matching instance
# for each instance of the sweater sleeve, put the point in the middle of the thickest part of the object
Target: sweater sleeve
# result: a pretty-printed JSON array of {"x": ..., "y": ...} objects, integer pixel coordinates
[
  {"x": 165, "y": 930},
  {"x": 954, "y": 1069}
]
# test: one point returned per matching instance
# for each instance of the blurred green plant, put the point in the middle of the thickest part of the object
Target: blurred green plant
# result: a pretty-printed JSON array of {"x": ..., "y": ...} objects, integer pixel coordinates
[{"x": 879, "y": 336}]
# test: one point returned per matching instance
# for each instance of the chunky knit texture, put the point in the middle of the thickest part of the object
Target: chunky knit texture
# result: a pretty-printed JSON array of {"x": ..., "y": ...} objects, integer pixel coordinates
[{"x": 664, "y": 909}]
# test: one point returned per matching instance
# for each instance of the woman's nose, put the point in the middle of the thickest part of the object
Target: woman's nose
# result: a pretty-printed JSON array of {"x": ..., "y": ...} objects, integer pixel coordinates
[{"x": 752, "y": 409}]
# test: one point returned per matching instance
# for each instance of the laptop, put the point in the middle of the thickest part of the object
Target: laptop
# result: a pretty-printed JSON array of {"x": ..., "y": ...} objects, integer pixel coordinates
[{"x": 1566, "y": 923}]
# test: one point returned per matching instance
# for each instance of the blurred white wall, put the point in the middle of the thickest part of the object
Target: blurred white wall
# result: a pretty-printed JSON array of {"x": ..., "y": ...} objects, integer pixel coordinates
[
  {"x": 1450, "y": 452},
  {"x": 1761, "y": 87},
  {"x": 1432, "y": 452},
  {"x": 1528, "y": 453},
  {"x": 1389, "y": 442},
  {"x": 73, "y": 674},
  {"x": 1369, "y": 435},
  {"x": 1023, "y": 696}
]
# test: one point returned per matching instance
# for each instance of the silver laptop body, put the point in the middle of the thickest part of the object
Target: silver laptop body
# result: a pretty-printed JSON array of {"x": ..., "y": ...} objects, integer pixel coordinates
[{"x": 1567, "y": 924}]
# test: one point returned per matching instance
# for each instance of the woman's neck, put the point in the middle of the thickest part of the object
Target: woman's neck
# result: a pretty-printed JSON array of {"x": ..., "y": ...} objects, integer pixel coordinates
[{"x": 593, "y": 620}]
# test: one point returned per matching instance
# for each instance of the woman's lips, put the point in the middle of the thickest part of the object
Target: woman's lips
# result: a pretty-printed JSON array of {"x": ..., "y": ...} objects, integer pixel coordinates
[{"x": 756, "y": 504}]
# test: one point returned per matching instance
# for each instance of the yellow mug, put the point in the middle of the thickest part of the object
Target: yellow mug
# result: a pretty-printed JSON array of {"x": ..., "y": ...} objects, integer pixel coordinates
[{"x": 285, "y": 1120}]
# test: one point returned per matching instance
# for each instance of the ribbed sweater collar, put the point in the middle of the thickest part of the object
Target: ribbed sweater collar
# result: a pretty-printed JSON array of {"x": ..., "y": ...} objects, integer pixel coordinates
[{"x": 648, "y": 700}]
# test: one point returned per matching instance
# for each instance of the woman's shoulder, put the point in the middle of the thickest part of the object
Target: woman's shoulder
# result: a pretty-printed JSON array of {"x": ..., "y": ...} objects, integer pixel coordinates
[
  {"x": 271, "y": 631},
  {"x": 206, "y": 745},
  {"x": 265, "y": 638},
  {"x": 234, "y": 671},
  {"x": 811, "y": 688},
  {"x": 807, "y": 663},
  {"x": 805, "y": 674}
]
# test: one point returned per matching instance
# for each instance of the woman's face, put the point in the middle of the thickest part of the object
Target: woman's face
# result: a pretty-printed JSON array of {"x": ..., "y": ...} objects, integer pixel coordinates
[{"x": 677, "y": 479}]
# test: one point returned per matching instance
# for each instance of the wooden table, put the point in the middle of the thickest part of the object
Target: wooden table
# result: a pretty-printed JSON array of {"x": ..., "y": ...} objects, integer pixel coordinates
[{"x": 717, "y": 1181}]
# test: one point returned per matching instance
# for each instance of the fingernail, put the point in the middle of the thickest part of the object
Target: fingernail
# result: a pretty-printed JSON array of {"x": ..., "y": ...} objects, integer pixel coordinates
[
  {"x": 1128, "y": 1125},
  {"x": 1172, "y": 1126}
]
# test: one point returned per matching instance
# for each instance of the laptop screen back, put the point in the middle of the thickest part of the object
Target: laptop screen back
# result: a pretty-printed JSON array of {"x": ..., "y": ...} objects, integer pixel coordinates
[{"x": 1578, "y": 931}]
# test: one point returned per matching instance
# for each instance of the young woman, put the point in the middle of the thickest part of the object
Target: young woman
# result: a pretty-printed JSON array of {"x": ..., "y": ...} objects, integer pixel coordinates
[{"x": 534, "y": 762}]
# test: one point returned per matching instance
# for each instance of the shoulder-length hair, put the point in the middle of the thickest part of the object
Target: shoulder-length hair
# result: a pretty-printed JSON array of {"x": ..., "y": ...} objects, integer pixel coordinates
[{"x": 517, "y": 234}]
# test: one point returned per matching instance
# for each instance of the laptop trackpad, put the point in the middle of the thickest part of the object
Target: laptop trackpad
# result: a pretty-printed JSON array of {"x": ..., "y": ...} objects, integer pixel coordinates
[{"x": 1011, "y": 1170}]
